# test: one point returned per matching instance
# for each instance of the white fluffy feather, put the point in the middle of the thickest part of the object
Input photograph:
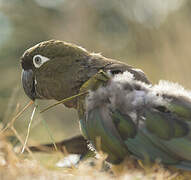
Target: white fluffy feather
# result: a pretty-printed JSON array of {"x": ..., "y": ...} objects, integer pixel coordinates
[{"x": 132, "y": 96}]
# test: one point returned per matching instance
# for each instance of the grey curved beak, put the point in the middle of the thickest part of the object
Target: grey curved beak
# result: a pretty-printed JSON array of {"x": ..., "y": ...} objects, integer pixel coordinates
[{"x": 28, "y": 82}]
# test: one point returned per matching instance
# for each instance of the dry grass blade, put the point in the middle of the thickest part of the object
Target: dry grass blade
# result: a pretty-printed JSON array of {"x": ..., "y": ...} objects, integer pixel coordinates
[
  {"x": 21, "y": 141},
  {"x": 28, "y": 130},
  {"x": 64, "y": 100},
  {"x": 50, "y": 134},
  {"x": 10, "y": 124}
]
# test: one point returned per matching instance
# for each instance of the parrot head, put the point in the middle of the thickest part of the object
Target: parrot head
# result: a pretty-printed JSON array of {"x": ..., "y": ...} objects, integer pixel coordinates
[{"x": 54, "y": 70}]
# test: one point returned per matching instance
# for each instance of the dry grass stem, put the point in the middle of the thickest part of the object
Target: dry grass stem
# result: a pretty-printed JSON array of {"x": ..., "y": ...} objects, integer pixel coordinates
[
  {"x": 21, "y": 141},
  {"x": 11, "y": 123},
  {"x": 28, "y": 130},
  {"x": 50, "y": 134},
  {"x": 64, "y": 100}
]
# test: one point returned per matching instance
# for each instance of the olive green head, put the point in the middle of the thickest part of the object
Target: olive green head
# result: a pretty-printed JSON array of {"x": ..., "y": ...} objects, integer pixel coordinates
[{"x": 52, "y": 69}]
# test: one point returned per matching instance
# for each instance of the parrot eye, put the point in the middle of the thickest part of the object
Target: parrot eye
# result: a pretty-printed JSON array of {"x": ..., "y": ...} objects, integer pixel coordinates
[{"x": 39, "y": 60}]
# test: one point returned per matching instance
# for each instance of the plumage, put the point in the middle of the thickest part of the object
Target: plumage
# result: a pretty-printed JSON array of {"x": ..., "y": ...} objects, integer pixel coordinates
[
  {"x": 156, "y": 131},
  {"x": 122, "y": 109}
]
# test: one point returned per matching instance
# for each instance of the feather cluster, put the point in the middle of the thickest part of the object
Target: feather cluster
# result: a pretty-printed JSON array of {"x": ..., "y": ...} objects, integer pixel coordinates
[{"x": 131, "y": 96}]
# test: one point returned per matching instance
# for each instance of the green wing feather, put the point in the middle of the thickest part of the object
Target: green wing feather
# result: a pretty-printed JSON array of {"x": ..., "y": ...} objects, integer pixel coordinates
[
  {"x": 99, "y": 124},
  {"x": 144, "y": 147},
  {"x": 165, "y": 125},
  {"x": 180, "y": 106},
  {"x": 124, "y": 124}
]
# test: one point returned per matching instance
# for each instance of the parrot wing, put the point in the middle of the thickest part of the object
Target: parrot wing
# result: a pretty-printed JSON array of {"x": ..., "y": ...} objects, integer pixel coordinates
[{"x": 146, "y": 121}]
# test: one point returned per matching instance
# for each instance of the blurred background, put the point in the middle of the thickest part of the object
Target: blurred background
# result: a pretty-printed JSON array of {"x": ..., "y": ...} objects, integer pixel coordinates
[{"x": 154, "y": 36}]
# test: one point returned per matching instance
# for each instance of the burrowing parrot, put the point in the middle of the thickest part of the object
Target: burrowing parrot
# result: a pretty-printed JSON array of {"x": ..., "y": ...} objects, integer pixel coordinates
[{"x": 119, "y": 106}]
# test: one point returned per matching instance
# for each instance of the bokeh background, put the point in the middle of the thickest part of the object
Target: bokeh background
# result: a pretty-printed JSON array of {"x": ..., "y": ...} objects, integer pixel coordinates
[{"x": 152, "y": 35}]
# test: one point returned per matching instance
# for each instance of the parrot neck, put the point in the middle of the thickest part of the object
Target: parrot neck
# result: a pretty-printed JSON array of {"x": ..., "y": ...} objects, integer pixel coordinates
[
  {"x": 84, "y": 74},
  {"x": 92, "y": 84},
  {"x": 87, "y": 71}
]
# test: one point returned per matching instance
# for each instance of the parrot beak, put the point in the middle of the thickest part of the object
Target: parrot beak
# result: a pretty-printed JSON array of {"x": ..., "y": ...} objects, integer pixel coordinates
[{"x": 28, "y": 82}]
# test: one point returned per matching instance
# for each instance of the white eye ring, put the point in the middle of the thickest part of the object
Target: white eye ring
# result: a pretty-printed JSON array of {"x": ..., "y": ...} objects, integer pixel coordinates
[{"x": 39, "y": 60}]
